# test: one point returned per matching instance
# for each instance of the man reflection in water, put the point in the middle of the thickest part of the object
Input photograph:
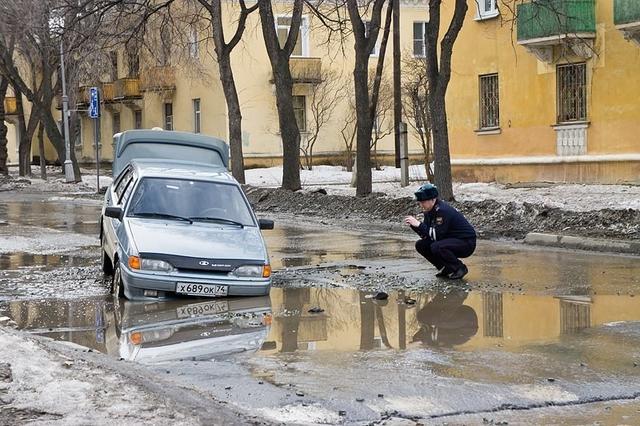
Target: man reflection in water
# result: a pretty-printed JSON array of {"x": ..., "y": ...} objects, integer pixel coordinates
[
  {"x": 445, "y": 234},
  {"x": 445, "y": 321}
]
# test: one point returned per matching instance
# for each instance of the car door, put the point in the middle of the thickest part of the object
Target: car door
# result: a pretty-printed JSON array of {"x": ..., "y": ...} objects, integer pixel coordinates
[{"x": 117, "y": 196}]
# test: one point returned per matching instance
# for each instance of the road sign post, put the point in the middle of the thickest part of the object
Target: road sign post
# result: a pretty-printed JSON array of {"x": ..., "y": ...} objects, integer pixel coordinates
[{"x": 94, "y": 114}]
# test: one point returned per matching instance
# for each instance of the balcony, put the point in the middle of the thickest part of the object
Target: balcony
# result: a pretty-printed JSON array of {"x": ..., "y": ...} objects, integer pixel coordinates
[
  {"x": 626, "y": 17},
  {"x": 108, "y": 92},
  {"x": 158, "y": 79},
  {"x": 545, "y": 24},
  {"x": 126, "y": 89},
  {"x": 304, "y": 70},
  {"x": 10, "y": 105},
  {"x": 83, "y": 96}
]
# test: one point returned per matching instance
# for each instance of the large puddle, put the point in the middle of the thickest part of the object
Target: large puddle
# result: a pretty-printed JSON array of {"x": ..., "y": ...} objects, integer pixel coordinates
[{"x": 313, "y": 319}]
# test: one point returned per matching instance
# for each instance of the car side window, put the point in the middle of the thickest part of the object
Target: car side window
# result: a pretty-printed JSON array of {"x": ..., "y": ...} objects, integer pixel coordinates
[
  {"x": 118, "y": 184},
  {"x": 123, "y": 185},
  {"x": 127, "y": 192}
]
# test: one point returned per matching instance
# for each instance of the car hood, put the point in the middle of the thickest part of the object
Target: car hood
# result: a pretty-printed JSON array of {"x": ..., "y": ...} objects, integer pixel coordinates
[{"x": 202, "y": 240}]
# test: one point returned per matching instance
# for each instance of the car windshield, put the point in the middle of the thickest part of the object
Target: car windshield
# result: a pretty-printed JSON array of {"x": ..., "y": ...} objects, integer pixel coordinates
[{"x": 190, "y": 200}]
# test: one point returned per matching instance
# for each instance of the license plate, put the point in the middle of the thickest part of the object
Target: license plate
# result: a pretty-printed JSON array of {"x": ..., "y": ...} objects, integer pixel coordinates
[
  {"x": 202, "y": 309},
  {"x": 195, "y": 289}
]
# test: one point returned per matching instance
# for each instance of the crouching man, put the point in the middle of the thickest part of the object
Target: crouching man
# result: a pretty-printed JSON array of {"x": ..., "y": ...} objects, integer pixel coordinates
[{"x": 446, "y": 235}]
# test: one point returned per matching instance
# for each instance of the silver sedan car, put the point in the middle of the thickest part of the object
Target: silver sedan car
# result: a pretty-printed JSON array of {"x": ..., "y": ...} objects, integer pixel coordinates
[{"x": 180, "y": 228}]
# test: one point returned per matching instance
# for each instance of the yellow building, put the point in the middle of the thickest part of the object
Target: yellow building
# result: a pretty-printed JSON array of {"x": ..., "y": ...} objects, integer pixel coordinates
[{"x": 544, "y": 97}]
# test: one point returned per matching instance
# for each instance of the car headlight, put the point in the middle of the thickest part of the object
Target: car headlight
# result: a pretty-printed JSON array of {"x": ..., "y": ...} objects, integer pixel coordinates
[
  {"x": 253, "y": 271},
  {"x": 156, "y": 265}
]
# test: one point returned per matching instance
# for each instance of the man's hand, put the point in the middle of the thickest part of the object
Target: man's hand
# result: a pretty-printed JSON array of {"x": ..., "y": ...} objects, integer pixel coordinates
[{"x": 412, "y": 221}]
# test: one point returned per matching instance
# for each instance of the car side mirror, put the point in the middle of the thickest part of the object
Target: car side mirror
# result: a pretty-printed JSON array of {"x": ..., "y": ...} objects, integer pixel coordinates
[
  {"x": 114, "y": 212},
  {"x": 265, "y": 223}
]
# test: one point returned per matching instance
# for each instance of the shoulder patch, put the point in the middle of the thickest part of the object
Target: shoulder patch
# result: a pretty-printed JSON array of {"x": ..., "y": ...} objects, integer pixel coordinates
[{"x": 439, "y": 220}]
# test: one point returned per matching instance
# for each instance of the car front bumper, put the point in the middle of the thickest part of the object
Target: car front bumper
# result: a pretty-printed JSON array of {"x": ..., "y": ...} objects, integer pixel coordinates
[{"x": 135, "y": 283}]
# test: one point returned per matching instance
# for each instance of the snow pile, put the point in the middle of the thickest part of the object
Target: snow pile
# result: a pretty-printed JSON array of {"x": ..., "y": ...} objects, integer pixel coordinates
[{"x": 574, "y": 197}]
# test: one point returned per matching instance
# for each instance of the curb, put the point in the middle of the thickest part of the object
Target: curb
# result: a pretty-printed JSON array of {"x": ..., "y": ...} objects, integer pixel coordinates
[{"x": 583, "y": 243}]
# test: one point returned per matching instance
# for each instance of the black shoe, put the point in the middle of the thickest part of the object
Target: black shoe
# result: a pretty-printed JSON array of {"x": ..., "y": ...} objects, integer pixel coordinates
[
  {"x": 444, "y": 273},
  {"x": 461, "y": 272}
]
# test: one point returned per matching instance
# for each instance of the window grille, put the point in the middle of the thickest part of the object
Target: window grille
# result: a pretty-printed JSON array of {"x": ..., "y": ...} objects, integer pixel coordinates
[
  {"x": 572, "y": 92},
  {"x": 489, "y": 101}
]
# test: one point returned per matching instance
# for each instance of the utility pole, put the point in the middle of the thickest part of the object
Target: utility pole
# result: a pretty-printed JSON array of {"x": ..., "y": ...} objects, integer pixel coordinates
[
  {"x": 397, "y": 102},
  {"x": 68, "y": 166}
]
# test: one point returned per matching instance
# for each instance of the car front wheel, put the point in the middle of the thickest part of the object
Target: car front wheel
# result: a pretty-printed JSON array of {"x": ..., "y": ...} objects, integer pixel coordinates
[{"x": 117, "y": 287}]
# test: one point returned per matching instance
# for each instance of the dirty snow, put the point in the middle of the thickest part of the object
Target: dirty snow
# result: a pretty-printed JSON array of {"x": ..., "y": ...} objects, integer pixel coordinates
[
  {"x": 50, "y": 386},
  {"x": 576, "y": 197}
]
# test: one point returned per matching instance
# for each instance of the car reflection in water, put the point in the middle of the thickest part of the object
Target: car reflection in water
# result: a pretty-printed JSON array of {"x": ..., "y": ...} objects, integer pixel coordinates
[{"x": 150, "y": 332}]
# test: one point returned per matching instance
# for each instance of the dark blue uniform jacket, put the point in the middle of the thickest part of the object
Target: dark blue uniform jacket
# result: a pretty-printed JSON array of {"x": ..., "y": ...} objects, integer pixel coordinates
[{"x": 442, "y": 222}]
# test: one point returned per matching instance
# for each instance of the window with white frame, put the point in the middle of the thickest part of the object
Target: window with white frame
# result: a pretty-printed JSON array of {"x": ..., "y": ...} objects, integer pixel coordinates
[
  {"x": 300, "y": 112},
  {"x": 489, "y": 102},
  {"x": 137, "y": 118},
  {"x": 115, "y": 123},
  {"x": 283, "y": 25},
  {"x": 196, "y": 115},
  {"x": 487, "y": 9},
  {"x": 376, "y": 48},
  {"x": 419, "y": 31},
  {"x": 168, "y": 116},
  {"x": 194, "y": 46}
]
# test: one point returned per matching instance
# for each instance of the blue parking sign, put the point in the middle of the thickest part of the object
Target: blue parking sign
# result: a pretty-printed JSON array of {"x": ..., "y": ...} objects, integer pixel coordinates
[{"x": 94, "y": 103}]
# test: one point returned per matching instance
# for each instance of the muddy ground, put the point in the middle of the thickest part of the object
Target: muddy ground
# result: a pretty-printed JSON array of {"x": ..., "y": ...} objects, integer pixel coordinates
[{"x": 492, "y": 220}]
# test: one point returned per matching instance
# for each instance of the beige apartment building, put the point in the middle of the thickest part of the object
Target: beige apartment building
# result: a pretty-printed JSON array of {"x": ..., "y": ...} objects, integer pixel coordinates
[{"x": 531, "y": 98}]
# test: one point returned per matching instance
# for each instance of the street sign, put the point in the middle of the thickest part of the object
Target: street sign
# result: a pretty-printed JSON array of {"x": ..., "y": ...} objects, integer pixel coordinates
[{"x": 94, "y": 103}]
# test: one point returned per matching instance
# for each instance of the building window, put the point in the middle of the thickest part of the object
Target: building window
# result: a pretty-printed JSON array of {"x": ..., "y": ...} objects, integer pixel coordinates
[
  {"x": 113, "y": 57},
  {"x": 376, "y": 48},
  {"x": 196, "y": 116},
  {"x": 487, "y": 9},
  {"x": 164, "y": 57},
  {"x": 419, "y": 30},
  {"x": 283, "y": 25},
  {"x": 572, "y": 92},
  {"x": 489, "y": 101},
  {"x": 168, "y": 116},
  {"x": 194, "y": 46},
  {"x": 116, "y": 122},
  {"x": 299, "y": 109},
  {"x": 137, "y": 117}
]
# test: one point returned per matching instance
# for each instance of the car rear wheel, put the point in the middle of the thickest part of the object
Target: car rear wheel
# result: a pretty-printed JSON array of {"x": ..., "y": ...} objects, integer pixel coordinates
[{"x": 117, "y": 287}]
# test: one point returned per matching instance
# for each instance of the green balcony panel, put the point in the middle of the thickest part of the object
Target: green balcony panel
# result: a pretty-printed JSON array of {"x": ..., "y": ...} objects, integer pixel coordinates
[
  {"x": 626, "y": 11},
  {"x": 548, "y": 18}
]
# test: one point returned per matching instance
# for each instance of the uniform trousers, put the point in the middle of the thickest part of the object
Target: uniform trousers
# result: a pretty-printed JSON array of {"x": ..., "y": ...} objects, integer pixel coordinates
[{"x": 447, "y": 252}]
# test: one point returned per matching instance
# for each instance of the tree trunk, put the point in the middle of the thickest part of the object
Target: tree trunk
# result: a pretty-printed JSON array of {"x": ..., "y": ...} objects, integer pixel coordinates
[
  {"x": 43, "y": 160},
  {"x": 288, "y": 127},
  {"x": 235, "y": 116},
  {"x": 442, "y": 169},
  {"x": 26, "y": 134},
  {"x": 4, "y": 85},
  {"x": 364, "y": 124}
]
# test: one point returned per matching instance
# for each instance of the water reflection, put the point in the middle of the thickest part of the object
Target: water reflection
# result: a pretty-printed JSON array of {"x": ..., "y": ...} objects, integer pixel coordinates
[
  {"x": 354, "y": 321},
  {"x": 346, "y": 321},
  {"x": 150, "y": 332}
]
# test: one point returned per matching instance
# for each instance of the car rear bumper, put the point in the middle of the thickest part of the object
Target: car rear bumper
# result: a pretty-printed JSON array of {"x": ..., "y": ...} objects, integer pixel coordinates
[{"x": 135, "y": 283}]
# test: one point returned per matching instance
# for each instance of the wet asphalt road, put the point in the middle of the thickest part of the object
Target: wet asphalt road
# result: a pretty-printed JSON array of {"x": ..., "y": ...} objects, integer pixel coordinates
[{"x": 528, "y": 328}]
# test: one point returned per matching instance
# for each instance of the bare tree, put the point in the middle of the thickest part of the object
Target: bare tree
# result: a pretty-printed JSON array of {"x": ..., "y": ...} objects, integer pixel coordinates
[
  {"x": 414, "y": 98},
  {"x": 223, "y": 51},
  {"x": 279, "y": 58},
  {"x": 348, "y": 129},
  {"x": 4, "y": 85},
  {"x": 366, "y": 36},
  {"x": 438, "y": 76},
  {"x": 324, "y": 97},
  {"x": 383, "y": 120}
]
